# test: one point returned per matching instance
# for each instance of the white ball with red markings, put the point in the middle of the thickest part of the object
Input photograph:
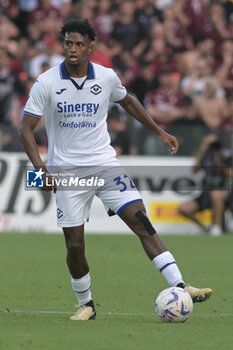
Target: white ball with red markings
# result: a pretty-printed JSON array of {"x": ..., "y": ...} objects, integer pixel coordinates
[{"x": 174, "y": 304}]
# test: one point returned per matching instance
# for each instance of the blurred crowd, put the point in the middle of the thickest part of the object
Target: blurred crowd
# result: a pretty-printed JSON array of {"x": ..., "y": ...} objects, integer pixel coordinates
[{"x": 175, "y": 56}]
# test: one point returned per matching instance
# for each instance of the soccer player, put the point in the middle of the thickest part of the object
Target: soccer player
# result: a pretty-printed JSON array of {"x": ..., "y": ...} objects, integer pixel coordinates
[
  {"x": 74, "y": 98},
  {"x": 216, "y": 164}
]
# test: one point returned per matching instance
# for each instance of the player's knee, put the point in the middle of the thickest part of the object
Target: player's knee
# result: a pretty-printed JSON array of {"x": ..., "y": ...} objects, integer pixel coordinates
[
  {"x": 186, "y": 209},
  {"x": 218, "y": 195},
  {"x": 182, "y": 210},
  {"x": 143, "y": 224},
  {"x": 75, "y": 245}
]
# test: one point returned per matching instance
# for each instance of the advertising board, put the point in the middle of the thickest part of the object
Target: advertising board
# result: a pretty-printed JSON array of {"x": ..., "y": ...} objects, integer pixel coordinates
[{"x": 164, "y": 182}]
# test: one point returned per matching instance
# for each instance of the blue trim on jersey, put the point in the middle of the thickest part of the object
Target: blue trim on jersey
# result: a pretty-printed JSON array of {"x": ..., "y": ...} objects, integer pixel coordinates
[
  {"x": 65, "y": 75},
  {"x": 91, "y": 72},
  {"x": 164, "y": 267},
  {"x": 63, "y": 72},
  {"x": 33, "y": 115},
  {"x": 79, "y": 87},
  {"x": 119, "y": 211}
]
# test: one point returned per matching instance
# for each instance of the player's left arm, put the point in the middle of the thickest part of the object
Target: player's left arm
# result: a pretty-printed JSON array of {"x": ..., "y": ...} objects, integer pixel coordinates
[{"x": 137, "y": 111}]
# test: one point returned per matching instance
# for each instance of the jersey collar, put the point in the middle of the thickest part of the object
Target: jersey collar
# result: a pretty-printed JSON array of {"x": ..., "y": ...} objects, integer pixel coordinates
[{"x": 65, "y": 75}]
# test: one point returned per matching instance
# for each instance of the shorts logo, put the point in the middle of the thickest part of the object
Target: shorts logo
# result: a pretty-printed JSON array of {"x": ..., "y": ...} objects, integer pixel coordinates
[
  {"x": 96, "y": 89},
  {"x": 59, "y": 213},
  {"x": 35, "y": 178}
]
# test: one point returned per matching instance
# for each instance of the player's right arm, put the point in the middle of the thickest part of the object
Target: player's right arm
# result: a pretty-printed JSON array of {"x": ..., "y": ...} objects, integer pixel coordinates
[
  {"x": 28, "y": 141},
  {"x": 34, "y": 109},
  {"x": 26, "y": 134}
]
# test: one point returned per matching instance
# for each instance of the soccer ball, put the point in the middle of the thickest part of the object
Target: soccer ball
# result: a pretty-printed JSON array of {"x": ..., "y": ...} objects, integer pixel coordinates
[{"x": 174, "y": 304}]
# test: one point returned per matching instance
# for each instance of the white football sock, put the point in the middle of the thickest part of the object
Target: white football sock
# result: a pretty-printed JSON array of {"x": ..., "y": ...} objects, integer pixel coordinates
[
  {"x": 81, "y": 287},
  {"x": 166, "y": 264}
]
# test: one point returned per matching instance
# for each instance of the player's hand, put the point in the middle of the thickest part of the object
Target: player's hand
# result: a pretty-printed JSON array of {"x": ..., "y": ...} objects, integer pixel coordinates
[
  {"x": 170, "y": 141},
  {"x": 49, "y": 183}
]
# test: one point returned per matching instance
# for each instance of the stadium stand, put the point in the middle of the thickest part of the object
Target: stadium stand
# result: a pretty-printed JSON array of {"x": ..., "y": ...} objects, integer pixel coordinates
[{"x": 190, "y": 39}]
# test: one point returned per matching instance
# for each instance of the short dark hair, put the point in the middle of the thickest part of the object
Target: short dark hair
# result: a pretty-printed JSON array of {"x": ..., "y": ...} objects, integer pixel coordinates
[{"x": 79, "y": 26}]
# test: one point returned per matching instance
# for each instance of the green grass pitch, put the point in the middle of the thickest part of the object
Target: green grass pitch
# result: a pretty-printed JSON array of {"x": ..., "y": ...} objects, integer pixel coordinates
[{"x": 36, "y": 299}]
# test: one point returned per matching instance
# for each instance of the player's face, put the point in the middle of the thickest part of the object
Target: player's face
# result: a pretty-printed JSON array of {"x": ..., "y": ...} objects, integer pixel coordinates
[{"x": 76, "y": 48}]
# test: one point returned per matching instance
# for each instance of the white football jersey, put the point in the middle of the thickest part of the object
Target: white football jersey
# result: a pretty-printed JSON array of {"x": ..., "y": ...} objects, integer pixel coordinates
[{"x": 75, "y": 116}]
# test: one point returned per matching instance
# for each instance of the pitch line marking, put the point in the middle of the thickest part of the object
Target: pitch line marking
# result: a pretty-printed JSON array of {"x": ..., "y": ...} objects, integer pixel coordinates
[{"x": 107, "y": 313}]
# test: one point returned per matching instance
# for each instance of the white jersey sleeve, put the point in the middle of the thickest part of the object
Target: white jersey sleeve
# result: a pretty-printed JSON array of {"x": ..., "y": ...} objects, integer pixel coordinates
[
  {"x": 118, "y": 90},
  {"x": 35, "y": 105}
]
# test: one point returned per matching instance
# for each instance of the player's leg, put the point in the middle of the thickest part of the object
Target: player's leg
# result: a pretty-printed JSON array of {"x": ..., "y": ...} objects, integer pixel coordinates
[
  {"x": 124, "y": 200},
  {"x": 75, "y": 245},
  {"x": 72, "y": 223},
  {"x": 79, "y": 270},
  {"x": 218, "y": 202},
  {"x": 189, "y": 210},
  {"x": 134, "y": 215}
]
